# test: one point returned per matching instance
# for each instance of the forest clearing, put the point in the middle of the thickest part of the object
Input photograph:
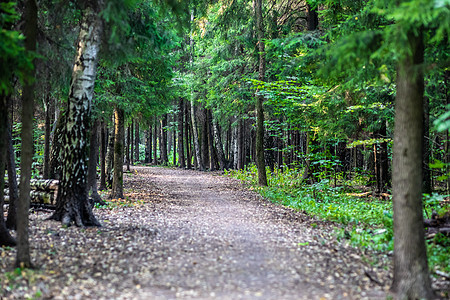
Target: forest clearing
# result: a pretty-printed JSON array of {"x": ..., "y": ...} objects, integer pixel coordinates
[{"x": 117, "y": 118}]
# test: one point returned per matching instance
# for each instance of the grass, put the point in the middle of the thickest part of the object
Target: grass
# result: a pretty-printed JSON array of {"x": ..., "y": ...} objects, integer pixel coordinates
[{"x": 363, "y": 222}]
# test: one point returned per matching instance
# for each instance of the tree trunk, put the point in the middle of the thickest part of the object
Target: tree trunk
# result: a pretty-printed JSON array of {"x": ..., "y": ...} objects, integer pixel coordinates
[
  {"x": 219, "y": 145},
  {"x": 137, "y": 140},
  {"x": 213, "y": 156},
  {"x": 110, "y": 154},
  {"x": 312, "y": 18},
  {"x": 307, "y": 171},
  {"x": 260, "y": 160},
  {"x": 229, "y": 134},
  {"x": 384, "y": 157},
  {"x": 92, "y": 164},
  {"x": 411, "y": 277},
  {"x": 103, "y": 144},
  {"x": 181, "y": 158},
  {"x": 174, "y": 142},
  {"x": 204, "y": 138},
  {"x": 119, "y": 134},
  {"x": 131, "y": 141},
  {"x": 187, "y": 136},
  {"x": 57, "y": 148},
  {"x": 195, "y": 136},
  {"x": 47, "y": 134},
  {"x": 5, "y": 238},
  {"x": 150, "y": 144},
  {"x": 270, "y": 154},
  {"x": 72, "y": 202},
  {"x": 201, "y": 166},
  {"x": 23, "y": 258},
  {"x": 163, "y": 141},
  {"x": 447, "y": 143},
  {"x": 169, "y": 135},
  {"x": 127, "y": 148},
  {"x": 155, "y": 136},
  {"x": 240, "y": 145},
  {"x": 11, "y": 221},
  {"x": 426, "y": 186}
]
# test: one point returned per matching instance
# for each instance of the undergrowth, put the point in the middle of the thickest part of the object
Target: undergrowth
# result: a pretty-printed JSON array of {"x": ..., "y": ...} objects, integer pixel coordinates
[{"x": 366, "y": 222}]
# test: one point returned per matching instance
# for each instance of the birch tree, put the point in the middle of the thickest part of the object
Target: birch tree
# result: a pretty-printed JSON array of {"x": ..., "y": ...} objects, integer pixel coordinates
[{"x": 73, "y": 203}]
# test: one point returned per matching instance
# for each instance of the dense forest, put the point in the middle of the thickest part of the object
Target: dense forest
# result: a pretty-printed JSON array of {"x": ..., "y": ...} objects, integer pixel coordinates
[{"x": 307, "y": 101}]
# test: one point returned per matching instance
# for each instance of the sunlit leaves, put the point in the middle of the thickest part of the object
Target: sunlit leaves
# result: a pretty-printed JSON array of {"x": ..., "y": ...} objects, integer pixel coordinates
[{"x": 442, "y": 123}]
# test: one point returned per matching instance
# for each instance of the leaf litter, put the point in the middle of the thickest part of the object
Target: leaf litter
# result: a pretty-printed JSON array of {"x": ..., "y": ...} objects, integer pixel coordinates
[{"x": 184, "y": 234}]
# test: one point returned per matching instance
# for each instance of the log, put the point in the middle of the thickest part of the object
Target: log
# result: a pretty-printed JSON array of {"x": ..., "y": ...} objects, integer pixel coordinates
[
  {"x": 41, "y": 184},
  {"x": 44, "y": 184},
  {"x": 44, "y": 191},
  {"x": 430, "y": 223},
  {"x": 38, "y": 197},
  {"x": 442, "y": 274}
]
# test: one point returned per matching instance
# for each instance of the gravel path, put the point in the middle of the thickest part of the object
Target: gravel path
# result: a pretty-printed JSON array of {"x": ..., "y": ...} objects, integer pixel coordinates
[{"x": 194, "y": 235}]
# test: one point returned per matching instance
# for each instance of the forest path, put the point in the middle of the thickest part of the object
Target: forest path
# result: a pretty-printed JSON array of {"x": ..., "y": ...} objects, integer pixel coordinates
[{"x": 198, "y": 235}]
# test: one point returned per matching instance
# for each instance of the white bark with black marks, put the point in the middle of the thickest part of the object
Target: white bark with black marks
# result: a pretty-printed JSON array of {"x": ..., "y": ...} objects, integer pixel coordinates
[{"x": 73, "y": 203}]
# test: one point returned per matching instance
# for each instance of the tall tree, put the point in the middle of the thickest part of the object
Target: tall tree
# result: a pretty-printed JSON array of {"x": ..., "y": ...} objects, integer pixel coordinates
[
  {"x": 411, "y": 275},
  {"x": 197, "y": 150},
  {"x": 23, "y": 258},
  {"x": 72, "y": 202},
  {"x": 260, "y": 161}
]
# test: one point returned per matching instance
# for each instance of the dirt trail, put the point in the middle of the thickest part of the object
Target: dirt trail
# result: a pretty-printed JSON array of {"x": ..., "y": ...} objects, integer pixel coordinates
[
  {"x": 196, "y": 236},
  {"x": 225, "y": 242}
]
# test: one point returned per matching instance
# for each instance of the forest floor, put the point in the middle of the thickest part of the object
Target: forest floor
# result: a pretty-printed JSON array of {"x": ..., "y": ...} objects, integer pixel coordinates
[{"x": 183, "y": 234}]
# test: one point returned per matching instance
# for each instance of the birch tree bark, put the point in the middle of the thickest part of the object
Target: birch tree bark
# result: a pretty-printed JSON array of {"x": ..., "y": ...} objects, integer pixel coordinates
[{"x": 72, "y": 203}]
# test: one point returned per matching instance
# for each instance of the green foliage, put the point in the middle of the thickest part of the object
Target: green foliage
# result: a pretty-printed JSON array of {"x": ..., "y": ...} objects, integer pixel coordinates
[
  {"x": 443, "y": 122},
  {"x": 139, "y": 80},
  {"x": 442, "y": 167},
  {"x": 14, "y": 60},
  {"x": 38, "y": 154},
  {"x": 438, "y": 250}
]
